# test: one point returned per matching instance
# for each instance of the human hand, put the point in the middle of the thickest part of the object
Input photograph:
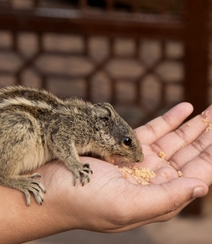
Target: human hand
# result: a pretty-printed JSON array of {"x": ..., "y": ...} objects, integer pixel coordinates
[{"x": 111, "y": 203}]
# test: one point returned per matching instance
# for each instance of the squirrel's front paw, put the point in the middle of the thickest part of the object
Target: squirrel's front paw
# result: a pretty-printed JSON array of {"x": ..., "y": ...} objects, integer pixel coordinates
[
  {"x": 82, "y": 172},
  {"x": 85, "y": 174}
]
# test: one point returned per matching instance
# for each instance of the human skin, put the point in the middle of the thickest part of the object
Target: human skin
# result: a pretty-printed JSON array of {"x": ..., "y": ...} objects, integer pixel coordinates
[{"x": 111, "y": 203}]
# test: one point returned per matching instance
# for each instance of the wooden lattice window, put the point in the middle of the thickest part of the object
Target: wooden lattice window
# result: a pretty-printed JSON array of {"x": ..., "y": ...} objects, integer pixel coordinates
[{"x": 135, "y": 75}]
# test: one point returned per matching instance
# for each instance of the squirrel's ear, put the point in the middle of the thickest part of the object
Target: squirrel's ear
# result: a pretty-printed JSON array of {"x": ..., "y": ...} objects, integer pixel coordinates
[
  {"x": 104, "y": 110},
  {"x": 104, "y": 113}
]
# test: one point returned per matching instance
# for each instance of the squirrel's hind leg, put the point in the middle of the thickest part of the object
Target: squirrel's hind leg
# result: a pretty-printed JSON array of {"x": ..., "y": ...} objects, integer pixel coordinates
[{"x": 27, "y": 184}]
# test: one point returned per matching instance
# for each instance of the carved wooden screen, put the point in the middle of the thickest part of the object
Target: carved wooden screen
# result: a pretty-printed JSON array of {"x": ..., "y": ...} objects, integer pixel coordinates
[{"x": 141, "y": 75}]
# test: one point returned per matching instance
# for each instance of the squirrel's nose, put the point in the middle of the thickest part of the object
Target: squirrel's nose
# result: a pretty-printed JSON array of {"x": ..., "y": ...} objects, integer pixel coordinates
[{"x": 140, "y": 159}]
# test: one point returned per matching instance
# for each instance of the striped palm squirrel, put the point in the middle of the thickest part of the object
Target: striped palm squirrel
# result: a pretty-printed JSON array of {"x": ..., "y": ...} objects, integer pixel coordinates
[{"x": 37, "y": 127}]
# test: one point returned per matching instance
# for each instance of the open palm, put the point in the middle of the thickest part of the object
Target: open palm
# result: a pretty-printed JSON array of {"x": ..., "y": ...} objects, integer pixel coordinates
[{"x": 111, "y": 203}]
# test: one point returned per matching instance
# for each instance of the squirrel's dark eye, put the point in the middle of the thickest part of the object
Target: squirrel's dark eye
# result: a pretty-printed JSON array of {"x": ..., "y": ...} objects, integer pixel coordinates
[
  {"x": 105, "y": 119},
  {"x": 127, "y": 141}
]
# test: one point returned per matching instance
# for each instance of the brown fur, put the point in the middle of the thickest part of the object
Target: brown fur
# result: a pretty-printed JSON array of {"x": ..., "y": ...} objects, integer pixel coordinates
[{"x": 36, "y": 127}]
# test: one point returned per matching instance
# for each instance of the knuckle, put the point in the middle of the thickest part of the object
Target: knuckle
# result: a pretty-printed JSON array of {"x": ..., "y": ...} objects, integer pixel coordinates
[
  {"x": 198, "y": 145},
  {"x": 181, "y": 134},
  {"x": 206, "y": 156},
  {"x": 167, "y": 120},
  {"x": 151, "y": 128}
]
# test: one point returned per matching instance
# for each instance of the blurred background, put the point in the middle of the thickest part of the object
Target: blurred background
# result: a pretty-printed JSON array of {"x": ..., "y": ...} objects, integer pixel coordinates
[{"x": 143, "y": 56}]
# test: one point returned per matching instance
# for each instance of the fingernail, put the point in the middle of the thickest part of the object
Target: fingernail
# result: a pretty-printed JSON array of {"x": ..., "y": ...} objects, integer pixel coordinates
[{"x": 198, "y": 192}]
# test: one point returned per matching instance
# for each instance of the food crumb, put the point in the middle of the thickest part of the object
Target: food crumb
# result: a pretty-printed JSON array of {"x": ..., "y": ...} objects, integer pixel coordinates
[
  {"x": 141, "y": 175},
  {"x": 205, "y": 118},
  {"x": 162, "y": 154},
  {"x": 180, "y": 174},
  {"x": 166, "y": 174},
  {"x": 209, "y": 127}
]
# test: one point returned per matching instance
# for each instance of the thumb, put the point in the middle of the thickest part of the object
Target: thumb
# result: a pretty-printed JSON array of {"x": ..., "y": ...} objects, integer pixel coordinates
[{"x": 158, "y": 200}]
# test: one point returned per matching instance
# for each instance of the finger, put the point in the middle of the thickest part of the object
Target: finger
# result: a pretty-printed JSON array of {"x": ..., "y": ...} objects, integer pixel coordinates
[
  {"x": 200, "y": 167},
  {"x": 185, "y": 135},
  {"x": 170, "y": 196},
  {"x": 162, "y": 202},
  {"x": 160, "y": 126},
  {"x": 194, "y": 150}
]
